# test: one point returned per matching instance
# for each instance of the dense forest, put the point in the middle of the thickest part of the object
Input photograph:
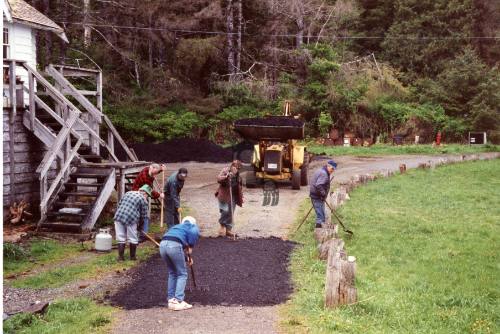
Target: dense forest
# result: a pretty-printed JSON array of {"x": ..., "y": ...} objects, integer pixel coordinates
[{"x": 371, "y": 67}]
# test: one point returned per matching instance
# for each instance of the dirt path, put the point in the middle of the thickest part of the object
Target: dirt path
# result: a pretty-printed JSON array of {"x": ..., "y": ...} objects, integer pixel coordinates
[{"x": 253, "y": 220}]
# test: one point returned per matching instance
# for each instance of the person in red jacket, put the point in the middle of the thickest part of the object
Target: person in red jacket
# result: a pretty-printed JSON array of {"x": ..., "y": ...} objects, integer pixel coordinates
[{"x": 147, "y": 176}]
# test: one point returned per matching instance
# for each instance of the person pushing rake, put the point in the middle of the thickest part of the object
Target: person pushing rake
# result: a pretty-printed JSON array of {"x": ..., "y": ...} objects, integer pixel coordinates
[
  {"x": 319, "y": 189},
  {"x": 229, "y": 194}
]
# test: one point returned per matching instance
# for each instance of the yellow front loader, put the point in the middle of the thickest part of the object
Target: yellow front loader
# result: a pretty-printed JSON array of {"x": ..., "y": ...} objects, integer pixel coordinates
[{"x": 277, "y": 156}]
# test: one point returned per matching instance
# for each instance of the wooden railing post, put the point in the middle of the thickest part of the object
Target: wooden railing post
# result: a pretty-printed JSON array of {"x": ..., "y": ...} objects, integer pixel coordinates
[
  {"x": 12, "y": 119},
  {"x": 111, "y": 142},
  {"x": 32, "y": 106}
]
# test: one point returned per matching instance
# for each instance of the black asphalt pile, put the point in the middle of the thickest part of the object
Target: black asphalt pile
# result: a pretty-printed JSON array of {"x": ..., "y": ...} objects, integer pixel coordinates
[
  {"x": 270, "y": 121},
  {"x": 181, "y": 150},
  {"x": 250, "y": 272}
]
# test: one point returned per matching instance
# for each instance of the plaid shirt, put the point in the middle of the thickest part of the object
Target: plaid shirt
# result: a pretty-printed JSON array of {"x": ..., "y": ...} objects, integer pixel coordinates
[
  {"x": 144, "y": 178},
  {"x": 132, "y": 209}
]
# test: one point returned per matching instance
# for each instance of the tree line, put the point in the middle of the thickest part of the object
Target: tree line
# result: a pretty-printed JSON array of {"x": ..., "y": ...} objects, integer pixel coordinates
[{"x": 371, "y": 67}]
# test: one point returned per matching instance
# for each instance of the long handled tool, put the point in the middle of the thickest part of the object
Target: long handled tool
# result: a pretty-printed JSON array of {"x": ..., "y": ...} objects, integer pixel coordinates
[
  {"x": 305, "y": 218},
  {"x": 162, "y": 199},
  {"x": 192, "y": 271},
  {"x": 340, "y": 221},
  {"x": 151, "y": 238},
  {"x": 309, "y": 212},
  {"x": 231, "y": 203}
]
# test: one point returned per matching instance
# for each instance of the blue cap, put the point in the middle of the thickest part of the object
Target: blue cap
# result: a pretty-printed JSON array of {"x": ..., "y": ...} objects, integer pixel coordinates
[{"x": 332, "y": 163}]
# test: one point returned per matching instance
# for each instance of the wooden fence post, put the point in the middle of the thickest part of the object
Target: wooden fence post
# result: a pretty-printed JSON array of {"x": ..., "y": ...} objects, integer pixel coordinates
[{"x": 340, "y": 277}]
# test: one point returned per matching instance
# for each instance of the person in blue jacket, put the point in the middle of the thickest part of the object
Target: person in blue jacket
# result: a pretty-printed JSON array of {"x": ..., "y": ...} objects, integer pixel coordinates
[
  {"x": 319, "y": 189},
  {"x": 172, "y": 192},
  {"x": 176, "y": 248}
]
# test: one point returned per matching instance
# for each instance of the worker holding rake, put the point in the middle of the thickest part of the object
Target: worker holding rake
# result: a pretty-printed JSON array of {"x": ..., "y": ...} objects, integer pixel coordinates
[
  {"x": 319, "y": 189},
  {"x": 229, "y": 194},
  {"x": 172, "y": 191},
  {"x": 176, "y": 248},
  {"x": 146, "y": 177},
  {"x": 131, "y": 211}
]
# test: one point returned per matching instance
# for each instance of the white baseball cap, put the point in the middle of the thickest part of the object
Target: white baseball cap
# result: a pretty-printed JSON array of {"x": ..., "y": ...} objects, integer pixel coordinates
[{"x": 189, "y": 219}]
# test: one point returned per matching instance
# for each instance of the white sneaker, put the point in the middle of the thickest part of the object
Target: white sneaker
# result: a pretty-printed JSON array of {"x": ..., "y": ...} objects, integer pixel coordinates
[
  {"x": 173, "y": 303},
  {"x": 180, "y": 306}
]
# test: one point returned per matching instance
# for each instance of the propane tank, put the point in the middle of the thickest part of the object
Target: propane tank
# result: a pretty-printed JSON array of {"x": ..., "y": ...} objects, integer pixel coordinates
[{"x": 103, "y": 240}]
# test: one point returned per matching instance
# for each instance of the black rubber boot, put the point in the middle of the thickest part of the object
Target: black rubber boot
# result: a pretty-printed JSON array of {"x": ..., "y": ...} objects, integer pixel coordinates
[
  {"x": 121, "y": 252},
  {"x": 133, "y": 248}
]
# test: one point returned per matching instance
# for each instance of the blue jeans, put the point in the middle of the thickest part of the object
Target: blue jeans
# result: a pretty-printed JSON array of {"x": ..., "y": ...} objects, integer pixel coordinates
[
  {"x": 173, "y": 254},
  {"x": 226, "y": 219},
  {"x": 319, "y": 208}
]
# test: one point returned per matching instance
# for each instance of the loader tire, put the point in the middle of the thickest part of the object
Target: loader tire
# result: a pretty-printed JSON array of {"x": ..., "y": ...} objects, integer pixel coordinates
[
  {"x": 304, "y": 181},
  {"x": 296, "y": 179}
]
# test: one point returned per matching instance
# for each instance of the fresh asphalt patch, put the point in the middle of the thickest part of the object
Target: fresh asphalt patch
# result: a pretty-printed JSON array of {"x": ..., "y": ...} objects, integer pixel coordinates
[{"x": 247, "y": 272}]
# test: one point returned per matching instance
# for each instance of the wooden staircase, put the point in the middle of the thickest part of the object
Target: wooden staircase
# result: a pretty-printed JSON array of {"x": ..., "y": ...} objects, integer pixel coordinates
[{"x": 79, "y": 171}]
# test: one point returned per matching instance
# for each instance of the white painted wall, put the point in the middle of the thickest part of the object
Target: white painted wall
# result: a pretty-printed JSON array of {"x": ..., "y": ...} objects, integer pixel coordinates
[
  {"x": 22, "y": 41},
  {"x": 22, "y": 44}
]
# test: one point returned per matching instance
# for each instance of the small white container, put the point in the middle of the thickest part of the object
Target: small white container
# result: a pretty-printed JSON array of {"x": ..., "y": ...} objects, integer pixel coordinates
[{"x": 103, "y": 240}]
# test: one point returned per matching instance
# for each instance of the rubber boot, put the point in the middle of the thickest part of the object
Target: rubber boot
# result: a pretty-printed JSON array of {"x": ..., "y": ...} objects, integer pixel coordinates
[
  {"x": 121, "y": 252},
  {"x": 222, "y": 231},
  {"x": 133, "y": 248}
]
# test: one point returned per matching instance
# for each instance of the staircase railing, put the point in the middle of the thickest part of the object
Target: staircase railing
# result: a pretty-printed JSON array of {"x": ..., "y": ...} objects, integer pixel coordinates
[
  {"x": 59, "y": 146},
  {"x": 93, "y": 111}
]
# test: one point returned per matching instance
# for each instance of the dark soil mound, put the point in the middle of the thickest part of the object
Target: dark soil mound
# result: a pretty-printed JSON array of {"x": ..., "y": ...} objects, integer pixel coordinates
[
  {"x": 181, "y": 150},
  {"x": 271, "y": 121},
  {"x": 242, "y": 272}
]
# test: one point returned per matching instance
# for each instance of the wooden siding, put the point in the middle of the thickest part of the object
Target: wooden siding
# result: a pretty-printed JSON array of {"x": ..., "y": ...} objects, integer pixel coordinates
[{"x": 28, "y": 153}]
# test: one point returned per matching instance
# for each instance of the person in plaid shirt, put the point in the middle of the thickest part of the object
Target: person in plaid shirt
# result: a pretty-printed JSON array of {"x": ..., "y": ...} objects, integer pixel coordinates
[{"x": 132, "y": 210}]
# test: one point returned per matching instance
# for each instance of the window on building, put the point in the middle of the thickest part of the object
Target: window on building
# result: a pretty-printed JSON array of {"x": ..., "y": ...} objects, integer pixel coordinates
[{"x": 6, "y": 47}]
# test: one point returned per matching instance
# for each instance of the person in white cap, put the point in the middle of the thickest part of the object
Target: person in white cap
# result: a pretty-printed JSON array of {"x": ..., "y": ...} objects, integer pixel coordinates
[{"x": 176, "y": 248}]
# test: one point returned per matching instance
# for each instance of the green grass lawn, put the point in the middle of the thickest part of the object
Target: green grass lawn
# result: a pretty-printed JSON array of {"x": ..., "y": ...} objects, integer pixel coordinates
[
  {"x": 427, "y": 248},
  {"x": 18, "y": 259},
  {"x": 98, "y": 265},
  {"x": 384, "y": 149},
  {"x": 80, "y": 315}
]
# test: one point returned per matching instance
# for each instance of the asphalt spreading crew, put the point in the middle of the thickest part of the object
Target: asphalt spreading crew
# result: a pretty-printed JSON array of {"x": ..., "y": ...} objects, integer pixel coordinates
[
  {"x": 131, "y": 212},
  {"x": 176, "y": 248},
  {"x": 229, "y": 194},
  {"x": 319, "y": 189},
  {"x": 172, "y": 190}
]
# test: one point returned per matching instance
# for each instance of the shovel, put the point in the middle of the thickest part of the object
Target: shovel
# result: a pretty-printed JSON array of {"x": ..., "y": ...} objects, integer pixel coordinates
[
  {"x": 340, "y": 221},
  {"x": 309, "y": 212}
]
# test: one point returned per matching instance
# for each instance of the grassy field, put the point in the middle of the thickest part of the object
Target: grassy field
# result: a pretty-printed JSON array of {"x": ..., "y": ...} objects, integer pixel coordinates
[
  {"x": 384, "y": 149},
  {"x": 95, "y": 266},
  {"x": 79, "y": 315},
  {"x": 18, "y": 259},
  {"x": 427, "y": 247}
]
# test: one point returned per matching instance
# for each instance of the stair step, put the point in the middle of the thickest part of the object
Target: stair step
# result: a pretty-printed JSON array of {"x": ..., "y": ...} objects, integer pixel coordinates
[
  {"x": 66, "y": 214},
  {"x": 80, "y": 193},
  {"x": 73, "y": 204},
  {"x": 91, "y": 157},
  {"x": 81, "y": 184},
  {"x": 87, "y": 175},
  {"x": 62, "y": 226}
]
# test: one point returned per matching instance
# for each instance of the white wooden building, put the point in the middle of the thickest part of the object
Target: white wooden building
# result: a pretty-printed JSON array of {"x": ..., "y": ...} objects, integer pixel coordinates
[{"x": 53, "y": 153}]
